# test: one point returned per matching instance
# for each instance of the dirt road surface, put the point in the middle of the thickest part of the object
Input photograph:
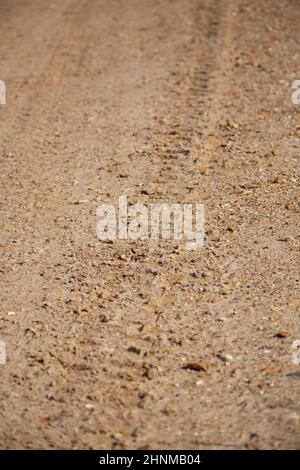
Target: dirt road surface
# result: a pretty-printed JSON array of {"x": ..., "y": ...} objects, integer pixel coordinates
[{"x": 144, "y": 344}]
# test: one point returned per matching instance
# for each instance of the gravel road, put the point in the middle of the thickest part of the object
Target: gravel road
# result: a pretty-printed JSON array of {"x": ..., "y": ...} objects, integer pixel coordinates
[{"x": 144, "y": 344}]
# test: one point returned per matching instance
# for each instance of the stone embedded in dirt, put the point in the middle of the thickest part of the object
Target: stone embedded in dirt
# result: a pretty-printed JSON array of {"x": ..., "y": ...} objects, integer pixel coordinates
[
  {"x": 280, "y": 180},
  {"x": 284, "y": 239},
  {"x": 80, "y": 201},
  {"x": 282, "y": 334},
  {"x": 270, "y": 154},
  {"x": 225, "y": 357},
  {"x": 124, "y": 258},
  {"x": 196, "y": 366},
  {"x": 89, "y": 406},
  {"x": 221, "y": 318},
  {"x": 184, "y": 343},
  {"x": 134, "y": 350},
  {"x": 104, "y": 317},
  {"x": 232, "y": 124},
  {"x": 290, "y": 205}
]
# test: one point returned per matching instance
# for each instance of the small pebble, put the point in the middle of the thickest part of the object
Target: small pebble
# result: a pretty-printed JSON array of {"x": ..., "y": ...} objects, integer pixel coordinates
[
  {"x": 89, "y": 406},
  {"x": 225, "y": 357}
]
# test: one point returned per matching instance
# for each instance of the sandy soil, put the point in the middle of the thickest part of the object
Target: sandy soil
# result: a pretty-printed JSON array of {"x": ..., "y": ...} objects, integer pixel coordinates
[{"x": 161, "y": 100}]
